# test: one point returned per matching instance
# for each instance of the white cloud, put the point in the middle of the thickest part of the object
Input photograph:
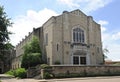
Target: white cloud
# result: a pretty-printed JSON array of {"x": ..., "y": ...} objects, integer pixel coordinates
[
  {"x": 93, "y": 5},
  {"x": 103, "y": 23},
  {"x": 112, "y": 46},
  {"x": 114, "y": 53},
  {"x": 69, "y": 3},
  {"x": 25, "y": 23},
  {"x": 85, "y": 5},
  {"x": 116, "y": 36},
  {"x": 108, "y": 39},
  {"x": 105, "y": 35}
]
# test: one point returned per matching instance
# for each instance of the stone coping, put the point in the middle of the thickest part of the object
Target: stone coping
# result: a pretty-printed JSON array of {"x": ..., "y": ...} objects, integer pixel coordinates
[{"x": 85, "y": 65}]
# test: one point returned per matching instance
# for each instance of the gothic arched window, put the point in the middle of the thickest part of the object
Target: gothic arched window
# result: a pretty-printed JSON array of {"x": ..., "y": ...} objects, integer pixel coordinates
[{"x": 78, "y": 35}]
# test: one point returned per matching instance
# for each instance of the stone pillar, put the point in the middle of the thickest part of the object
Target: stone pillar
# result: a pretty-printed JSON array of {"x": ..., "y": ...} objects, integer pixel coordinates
[
  {"x": 65, "y": 36},
  {"x": 42, "y": 73},
  {"x": 88, "y": 57}
]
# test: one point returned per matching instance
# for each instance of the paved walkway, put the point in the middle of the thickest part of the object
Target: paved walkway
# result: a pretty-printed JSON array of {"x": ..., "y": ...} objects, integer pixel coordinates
[
  {"x": 89, "y": 79},
  {"x": 2, "y": 76},
  {"x": 7, "y": 78},
  {"x": 19, "y": 80}
]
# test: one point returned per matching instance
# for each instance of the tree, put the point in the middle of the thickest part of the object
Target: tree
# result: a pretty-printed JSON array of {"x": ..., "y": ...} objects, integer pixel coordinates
[
  {"x": 4, "y": 33},
  {"x": 33, "y": 46},
  {"x": 32, "y": 54},
  {"x": 5, "y": 46},
  {"x": 4, "y": 24},
  {"x": 6, "y": 51},
  {"x": 105, "y": 51}
]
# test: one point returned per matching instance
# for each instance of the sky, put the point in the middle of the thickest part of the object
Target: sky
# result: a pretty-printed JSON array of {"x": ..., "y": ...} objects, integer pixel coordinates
[{"x": 29, "y": 14}]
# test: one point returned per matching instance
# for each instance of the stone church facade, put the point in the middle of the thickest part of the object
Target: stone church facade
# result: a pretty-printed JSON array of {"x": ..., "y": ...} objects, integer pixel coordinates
[{"x": 71, "y": 38}]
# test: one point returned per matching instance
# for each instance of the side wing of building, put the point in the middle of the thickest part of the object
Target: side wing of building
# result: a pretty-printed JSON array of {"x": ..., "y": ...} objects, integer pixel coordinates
[{"x": 16, "y": 62}]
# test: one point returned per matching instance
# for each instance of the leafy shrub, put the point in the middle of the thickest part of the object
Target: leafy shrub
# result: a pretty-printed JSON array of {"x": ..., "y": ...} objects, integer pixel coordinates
[
  {"x": 31, "y": 59},
  {"x": 47, "y": 75},
  {"x": 45, "y": 66},
  {"x": 20, "y": 73},
  {"x": 11, "y": 72},
  {"x": 47, "y": 71}
]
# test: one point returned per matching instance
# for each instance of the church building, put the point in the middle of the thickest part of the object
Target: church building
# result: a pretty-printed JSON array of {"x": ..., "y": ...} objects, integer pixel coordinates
[{"x": 71, "y": 38}]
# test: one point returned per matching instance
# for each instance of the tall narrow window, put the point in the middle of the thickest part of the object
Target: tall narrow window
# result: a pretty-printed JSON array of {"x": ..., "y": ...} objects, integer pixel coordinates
[
  {"x": 46, "y": 39},
  {"x": 76, "y": 60},
  {"x": 82, "y": 36},
  {"x": 57, "y": 47},
  {"x": 98, "y": 50},
  {"x": 74, "y": 36},
  {"x": 78, "y": 35},
  {"x": 83, "y": 60}
]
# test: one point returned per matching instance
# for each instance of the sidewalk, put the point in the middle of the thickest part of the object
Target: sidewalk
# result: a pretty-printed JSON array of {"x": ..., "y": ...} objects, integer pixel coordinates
[
  {"x": 79, "y": 78},
  {"x": 5, "y": 76}
]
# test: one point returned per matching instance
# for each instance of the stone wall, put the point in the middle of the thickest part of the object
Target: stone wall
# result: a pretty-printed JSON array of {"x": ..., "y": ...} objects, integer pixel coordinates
[
  {"x": 89, "y": 70},
  {"x": 60, "y": 71},
  {"x": 33, "y": 71},
  {"x": 77, "y": 71}
]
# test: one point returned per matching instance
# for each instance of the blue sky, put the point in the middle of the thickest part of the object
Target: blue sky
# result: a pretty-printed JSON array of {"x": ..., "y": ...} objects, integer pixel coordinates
[{"x": 26, "y": 14}]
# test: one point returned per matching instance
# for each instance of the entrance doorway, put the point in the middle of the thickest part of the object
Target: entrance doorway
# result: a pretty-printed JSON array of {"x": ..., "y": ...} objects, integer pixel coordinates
[{"x": 79, "y": 60}]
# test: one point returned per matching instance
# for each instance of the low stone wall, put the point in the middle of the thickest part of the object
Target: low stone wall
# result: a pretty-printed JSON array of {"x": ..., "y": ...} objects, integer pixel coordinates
[
  {"x": 33, "y": 71},
  {"x": 77, "y": 71},
  {"x": 88, "y": 69},
  {"x": 60, "y": 71}
]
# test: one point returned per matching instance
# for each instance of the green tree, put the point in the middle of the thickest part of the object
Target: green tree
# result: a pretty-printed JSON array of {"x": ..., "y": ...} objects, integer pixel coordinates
[
  {"x": 33, "y": 46},
  {"x": 8, "y": 46},
  {"x": 32, "y": 54},
  {"x": 105, "y": 52},
  {"x": 4, "y": 33},
  {"x": 4, "y": 24}
]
